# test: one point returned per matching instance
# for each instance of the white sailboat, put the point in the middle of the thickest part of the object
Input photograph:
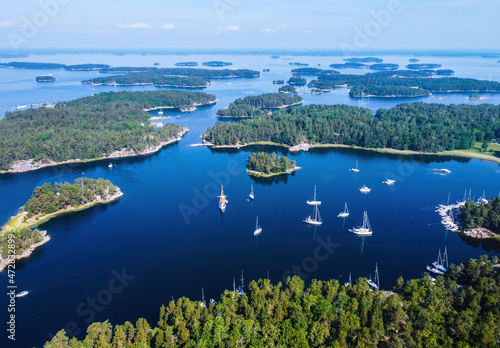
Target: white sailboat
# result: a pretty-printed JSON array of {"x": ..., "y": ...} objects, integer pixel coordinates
[
  {"x": 258, "y": 229},
  {"x": 364, "y": 189},
  {"x": 345, "y": 213},
  {"x": 160, "y": 112},
  {"x": 366, "y": 229},
  {"x": 222, "y": 200},
  {"x": 375, "y": 282},
  {"x": 251, "y": 195},
  {"x": 314, "y": 201},
  {"x": 389, "y": 182},
  {"x": 317, "y": 218},
  {"x": 355, "y": 170}
]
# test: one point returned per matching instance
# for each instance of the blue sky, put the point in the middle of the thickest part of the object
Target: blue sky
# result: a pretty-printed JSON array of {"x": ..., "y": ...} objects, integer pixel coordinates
[{"x": 239, "y": 24}]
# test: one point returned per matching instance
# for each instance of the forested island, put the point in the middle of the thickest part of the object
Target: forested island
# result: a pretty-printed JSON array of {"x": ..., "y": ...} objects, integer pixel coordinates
[
  {"x": 384, "y": 66},
  {"x": 441, "y": 85},
  {"x": 298, "y": 64},
  {"x": 312, "y": 71},
  {"x": 262, "y": 164},
  {"x": 413, "y": 60},
  {"x": 459, "y": 309},
  {"x": 48, "y": 202},
  {"x": 288, "y": 89},
  {"x": 413, "y": 73},
  {"x": 279, "y": 82},
  {"x": 297, "y": 81},
  {"x": 423, "y": 66},
  {"x": 387, "y": 91},
  {"x": 364, "y": 60},
  {"x": 45, "y": 78},
  {"x": 349, "y": 66},
  {"x": 216, "y": 63},
  {"x": 417, "y": 127},
  {"x": 258, "y": 105},
  {"x": 103, "y": 68},
  {"x": 483, "y": 218},
  {"x": 186, "y": 64},
  {"x": 446, "y": 72},
  {"x": 109, "y": 125},
  {"x": 150, "y": 78}
]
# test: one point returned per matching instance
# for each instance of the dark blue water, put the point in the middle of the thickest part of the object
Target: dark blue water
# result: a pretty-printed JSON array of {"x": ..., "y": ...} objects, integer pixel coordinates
[{"x": 167, "y": 233}]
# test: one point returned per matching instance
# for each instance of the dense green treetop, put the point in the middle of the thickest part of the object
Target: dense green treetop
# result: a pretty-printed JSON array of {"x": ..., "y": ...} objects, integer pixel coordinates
[
  {"x": 423, "y": 66},
  {"x": 288, "y": 89},
  {"x": 405, "y": 73},
  {"x": 216, "y": 63},
  {"x": 263, "y": 162},
  {"x": 257, "y": 105},
  {"x": 364, "y": 60},
  {"x": 297, "y": 81},
  {"x": 411, "y": 126},
  {"x": 313, "y": 71},
  {"x": 150, "y": 78},
  {"x": 457, "y": 310},
  {"x": 473, "y": 215},
  {"x": 447, "y": 72},
  {"x": 105, "y": 122}
]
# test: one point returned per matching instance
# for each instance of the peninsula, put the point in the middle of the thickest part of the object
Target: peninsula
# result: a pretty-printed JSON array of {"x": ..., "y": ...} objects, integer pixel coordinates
[
  {"x": 110, "y": 125},
  {"x": 261, "y": 164},
  {"x": 258, "y": 105},
  {"x": 482, "y": 220},
  {"x": 18, "y": 239}
]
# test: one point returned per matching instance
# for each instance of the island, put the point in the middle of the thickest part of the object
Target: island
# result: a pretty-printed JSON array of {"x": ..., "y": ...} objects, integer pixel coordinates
[
  {"x": 47, "y": 202},
  {"x": 279, "y": 82},
  {"x": 216, "y": 63},
  {"x": 352, "y": 65},
  {"x": 275, "y": 57},
  {"x": 297, "y": 81},
  {"x": 262, "y": 164},
  {"x": 475, "y": 97},
  {"x": 423, "y": 66},
  {"x": 439, "y": 85},
  {"x": 420, "y": 312},
  {"x": 384, "y": 66},
  {"x": 413, "y": 60},
  {"x": 149, "y": 78},
  {"x": 409, "y": 128},
  {"x": 387, "y": 92},
  {"x": 45, "y": 78},
  {"x": 364, "y": 60},
  {"x": 288, "y": 89},
  {"x": 186, "y": 64},
  {"x": 298, "y": 64},
  {"x": 110, "y": 125},
  {"x": 258, "y": 105},
  {"x": 106, "y": 69},
  {"x": 481, "y": 221},
  {"x": 312, "y": 71},
  {"x": 405, "y": 73},
  {"x": 446, "y": 72}
]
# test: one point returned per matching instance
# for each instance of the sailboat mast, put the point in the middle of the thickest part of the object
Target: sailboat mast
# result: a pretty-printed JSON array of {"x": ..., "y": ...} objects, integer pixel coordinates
[
  {"x": 376, "y": 275},
  {"x": 234, "y": 285},
  {"x": 241, "y": 279},
  {"x": 202, "y": 296},
  {"x": 445, "y": 257}
]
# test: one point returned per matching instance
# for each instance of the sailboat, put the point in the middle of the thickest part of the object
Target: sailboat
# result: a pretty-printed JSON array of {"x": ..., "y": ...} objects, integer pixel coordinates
[
  {"x": 349, "y": 282},
  {"x": 160, "y": 112},
  {"x": 314, "y": 201},
  {"x": 251, "y": 195},
  {"x": 355, "y": 170},
  {"x": 441, "y": 261},
  {"x": 364, "y": 230},
  {"x": 222, "y": 200},
  {"x": 345, "y": 213},
  {"x": 389, "y": 182},
  {"x": 375, "y": 282},
  {"x": 364, "y": 189},
  {"x": 317, "y": 218},
  {"x": 258, "y": 229}
]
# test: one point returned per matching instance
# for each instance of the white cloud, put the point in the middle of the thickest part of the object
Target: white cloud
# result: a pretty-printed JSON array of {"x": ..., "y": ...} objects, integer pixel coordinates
[
  {"x": 134, "y": 26},
  {"x": 10, "y": 25},
  {"x": 281, "y": 27},
  {"x": 230, "y": 27},
  {"x": 266, "y": 30},
  {"x": 168, "y": 26}
]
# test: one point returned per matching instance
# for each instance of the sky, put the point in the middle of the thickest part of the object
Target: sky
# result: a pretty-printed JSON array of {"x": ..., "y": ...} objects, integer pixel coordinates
[{"x": 347, "y": 25}]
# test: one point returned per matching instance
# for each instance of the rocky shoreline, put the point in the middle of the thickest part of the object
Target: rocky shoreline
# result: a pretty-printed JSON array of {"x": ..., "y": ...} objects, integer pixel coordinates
[
  {"x": 4, "y": 262},
  {"x": 29, "y": 165},
  {"x": 480, "y": 233}
]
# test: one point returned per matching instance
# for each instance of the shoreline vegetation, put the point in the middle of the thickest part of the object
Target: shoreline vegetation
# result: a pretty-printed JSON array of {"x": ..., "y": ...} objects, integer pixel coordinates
[
  {"x": 409, "y": 129},
  {"x": 110, "y": 125},
  {"x": 46, "y": 203},
  {"x": 256, "y": 105},
  {"x": 458, "y": 309},
  {"x": 261, "y": 164}
]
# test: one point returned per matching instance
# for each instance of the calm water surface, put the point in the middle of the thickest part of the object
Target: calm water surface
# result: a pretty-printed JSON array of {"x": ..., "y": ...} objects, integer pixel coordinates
[{"x": 167, "y": 233}]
